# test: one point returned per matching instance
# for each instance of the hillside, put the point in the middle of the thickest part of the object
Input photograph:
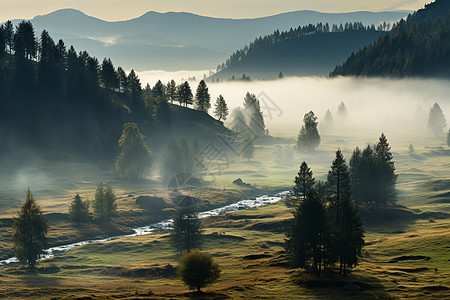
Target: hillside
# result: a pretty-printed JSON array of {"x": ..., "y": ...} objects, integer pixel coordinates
[
  {"x": 418, "y": 46},
  {"x": 310, "y": 50},
  {"x": 177, "y": 40}
]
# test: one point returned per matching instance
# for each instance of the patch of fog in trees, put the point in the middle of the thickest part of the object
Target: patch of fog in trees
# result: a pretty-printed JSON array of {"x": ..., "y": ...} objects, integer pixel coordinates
[{"x": 398, "y": 107}]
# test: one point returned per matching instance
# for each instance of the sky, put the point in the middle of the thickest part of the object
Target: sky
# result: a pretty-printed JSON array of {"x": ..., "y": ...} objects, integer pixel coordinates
[{"x": 115, "y": 10}]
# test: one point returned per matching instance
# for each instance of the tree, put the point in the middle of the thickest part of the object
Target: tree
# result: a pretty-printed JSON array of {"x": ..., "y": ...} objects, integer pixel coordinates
[
  {"x": 254, "y": 116},
  {"x": 29, "y": 232},
  {"x": 122, "y": 79},
  {"x": 184, "y": 94},
  {"x": 353, "y": 235},
  {"x": 108, "y": 75},
  {"x": 171, "y": 90},
  {"x": 79, "y": 209},
  {"x": 304, "y": 181},
  {"x": 308, "y": 137},
  {"x": 448, "y": 138},
  {"x": 134, "y": 89},
  {"x": 386, "y": 170},
  {"x": 158, "y": 90},
  {"x": 135, "y": 156},
  {"x": 355, "y": 166},
  {"x": 198, "y": 269},
  {"x": 9, "y": 37},
  {"x": 105, "y": 205},
  {"x": 221, "y": 108},
  {"x": 202, "y": 97},
  {"x": 2, "y": 42},
  {"x": 186, "y": 231},
  {"x": 306, "y": 243},
  {"x": 342, "y": 110},
  {"x": 180, "y": 157},
  {"x": 436, "y": 120}
]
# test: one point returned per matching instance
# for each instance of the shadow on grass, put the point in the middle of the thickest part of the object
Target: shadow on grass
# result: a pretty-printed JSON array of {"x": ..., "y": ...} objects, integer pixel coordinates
[{"x": 205, "y": 295}]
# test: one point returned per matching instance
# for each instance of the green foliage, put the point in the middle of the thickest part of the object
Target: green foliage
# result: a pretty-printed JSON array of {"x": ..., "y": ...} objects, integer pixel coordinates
[
  {"x": 221, "y": 108},
  {"x": 79, "y": 209},
  {"x": 202, "y": 97},
  {"x": 304, "y": 181},
  {"x": 134, "y": 159},
  {"x": 186, "y": 231},
  {"x": 105, "y": 205},
  {"x": 436, "y": 120},
  {"x": 29, "y": 232},
  {"x": 308, "y": 137},
  {"x": 198, "y": 269}
]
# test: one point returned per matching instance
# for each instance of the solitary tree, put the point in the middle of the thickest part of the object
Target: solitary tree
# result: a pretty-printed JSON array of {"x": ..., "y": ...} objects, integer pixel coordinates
[
  {"x": 105, "y": 205},
  {"x": 202, "y": 97},
  {"x": 436, "y": 120},
  {"x": 29, "y": 232},
  {"x": 134, "y": 159},
  {"x": 221, "y": 108},
  {"x": 308, "y": 137},
  {"x": 254, "y": 116},
  {"x": 304, "y": 181},
  {"x": 186, "y": 231},
  {"x": 198, "y": 269},
  {"x": 387, "y": 179},
  {"x": 79, "y": 209}
]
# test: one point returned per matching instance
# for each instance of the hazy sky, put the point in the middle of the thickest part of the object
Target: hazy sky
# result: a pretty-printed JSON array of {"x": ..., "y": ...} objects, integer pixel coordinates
[{"x": 127, "y": 9}]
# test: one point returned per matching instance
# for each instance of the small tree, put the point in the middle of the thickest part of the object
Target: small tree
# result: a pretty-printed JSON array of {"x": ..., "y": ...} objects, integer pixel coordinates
[
  {"x": 304, "y": 180},
  {"x": 202, "y": 97},
  {"x": 198, "y": 269},
  {"x": 79, "y": 209},
  {"x": 184, "y": 94},
  {"x": 221, "y": 108},
  {"x": 135, "y": 156},
  {"x": 171, "y": 90},
  {"x": 308, "y": 137},
  {"x": 29, "y": 232},
  {"x": 186, "y": 231},
  {"x": 254, "y": 116},
  {"x": 436, "y": 120},
  {"x": 105, "y": 205}
]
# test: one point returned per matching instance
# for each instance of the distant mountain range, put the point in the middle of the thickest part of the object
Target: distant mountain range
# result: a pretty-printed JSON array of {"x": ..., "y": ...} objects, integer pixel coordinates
[
  {"x": 419, "y": 46},
  {"x": 176, "y": 41}
]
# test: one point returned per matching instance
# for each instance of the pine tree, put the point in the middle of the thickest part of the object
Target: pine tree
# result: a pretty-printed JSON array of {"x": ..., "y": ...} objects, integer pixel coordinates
[
  {"x": 186, "y": 231},
  {"x": 2, "y": 42},
  {"x": 79, "y": 209},
  {"x": 105, "y": 205},
  {"x": 304, "y": 181},
  {"x": 255, "y": 119},
  {"x": 171, "y": 90},
  {"x": 387, "y": 178},
  {"x": 355, "y": 166},
  {"x": 134, "y": 159},
  {"x": 122, "y": 80},
  {"x": 108, "y": 75},
  {"x": 184, "y": 94},
  {"x": 308, "y": 138},
  {"x": 202, "y": 97},
  {"x": 221, "y": 108},
  {"x": 158, "y": 90},
  {"x": 29, "y": 232},
  {"x": 436, "y": 120}
]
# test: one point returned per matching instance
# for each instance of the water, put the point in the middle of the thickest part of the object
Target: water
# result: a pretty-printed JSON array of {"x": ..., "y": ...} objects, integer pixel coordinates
[{"x": 161, "y": 226}]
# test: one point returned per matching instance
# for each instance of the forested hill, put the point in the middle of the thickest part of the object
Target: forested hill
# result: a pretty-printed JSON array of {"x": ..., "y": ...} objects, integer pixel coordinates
[
  {"x": 419, "y": 46},
  {"x": 307, "y": 50},
  {"x": 55, "y": 100}
]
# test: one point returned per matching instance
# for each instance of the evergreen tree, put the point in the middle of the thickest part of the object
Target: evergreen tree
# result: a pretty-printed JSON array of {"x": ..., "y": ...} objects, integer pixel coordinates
[
  {"x": 304, "y": 181},
  {"x": 29, "y": 232},
  {"x": 9, "y": 37},
  {"x": 353, "y": 235},
  {"x": 198, "y": 269},
  {"x": 202, "y": 97},
  {"x": 79, "y": 209},
  {"x": 105, "y": 205},
  {"x": 122, "y": 79},
  {"x": 171, "y": 90},
  {"x": 108, "y": 75},
  {"x": 2, "y": 42},
  {"x": 134, "y": 159},
  {"x": 386, "y": 170},
  {"x": 355, "y": 166},
  {"x": 436, "y": 120},
  {"x": 221, "y": 108},
  {"x": 255, "y": 119},
  {"x": 185, "y": 94},
  {"x": 158, "y": 90},
  {"x": 186, "y": 231},
  {"x": 308, "y": 138}
]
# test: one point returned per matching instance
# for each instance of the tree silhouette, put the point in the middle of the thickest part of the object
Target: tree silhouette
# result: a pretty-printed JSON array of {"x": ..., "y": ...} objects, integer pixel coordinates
[
  {"x": 134, "y": 159},
  {"x": 29, "y": 232},
  {"x": 202, "y": 97},
  {"x": 108, "y": 75},
  {"x": 105, "y": 205},
  {"x": 308, "y": 138},
  {"x": 304, "y": 181},
  {"x": 171, "y": 90},
  {"x": 184, "y": 94},
  {"x": 221, "y": 108},
  {"x": 79, "y": 209},
  {"x": 186, "y": 231},
  {"x": 254, "y": 116},
  {"x": 198, "y": 269},
  {"x": 436, "y": 120}
]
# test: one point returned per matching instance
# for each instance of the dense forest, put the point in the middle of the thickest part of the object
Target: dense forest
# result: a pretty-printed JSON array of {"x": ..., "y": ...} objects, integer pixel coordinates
[
  {"x": 417, "y": 46},
  {"x": 306, "y": 50}
]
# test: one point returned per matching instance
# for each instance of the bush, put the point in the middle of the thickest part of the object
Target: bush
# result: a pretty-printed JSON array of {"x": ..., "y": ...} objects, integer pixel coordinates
[{"x": 198, "y": 269}]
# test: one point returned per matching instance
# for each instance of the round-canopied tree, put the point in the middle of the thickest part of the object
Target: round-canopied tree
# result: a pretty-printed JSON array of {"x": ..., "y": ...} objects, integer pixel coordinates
[
  {"x": 308, "y": 137},
  {"x": 135, "y": 157},
  {"x": 198, "y": 269}
]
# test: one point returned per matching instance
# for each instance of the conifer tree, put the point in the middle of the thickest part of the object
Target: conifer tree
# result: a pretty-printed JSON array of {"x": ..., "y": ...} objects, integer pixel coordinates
[
  {"x": 105, "y": 205},
  {"x": 171, "y": 90},
  {"x": 308, "y": 137},
  {"x": 254, "y": 116},
  {"x": 304, "y": 181},
  {"x": 221, "y": 108},
  {"x": 108, "y": 75},
  {"x": 387, "y": 178},
  {"x": 436, "y": 120},
  {"x": 202, "y": 97},
  {"x": 186, "y": 231},
  {"x": 79, "y": 209},
  {"x": 185, "y": 94}
]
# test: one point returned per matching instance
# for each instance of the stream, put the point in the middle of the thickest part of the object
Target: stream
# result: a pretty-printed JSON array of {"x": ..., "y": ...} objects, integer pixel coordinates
[{"x": 160, "y": 226}]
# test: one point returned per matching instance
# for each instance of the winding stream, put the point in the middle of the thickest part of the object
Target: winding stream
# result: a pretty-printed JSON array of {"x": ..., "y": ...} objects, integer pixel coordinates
[{"x": 163, "y": 225}]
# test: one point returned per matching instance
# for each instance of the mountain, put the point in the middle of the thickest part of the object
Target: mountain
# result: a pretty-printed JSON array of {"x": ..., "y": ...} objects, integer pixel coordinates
[
  {"x": 311, "y": 50},
  {"x": 177, "y": 40},
  {"x": 418, "y": 46}
]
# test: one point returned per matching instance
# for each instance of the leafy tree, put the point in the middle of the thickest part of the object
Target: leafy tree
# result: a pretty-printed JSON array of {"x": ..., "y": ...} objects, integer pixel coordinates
[
  {"x": 221, "y": 108},
  {"x": 306, "y": 241},
  {"x": 184, "y": 94},
  {"x": 186, "y": 231},
  {"x": 255, "y": 119},
  {"x": 105, "y": 205},
  {"x": 308, "y": 138},
  {"x": 29, "y": 232},
  {"x": 134, "y": 159},
  {"x": 171, "y": 90},
  {"x": 198, "y": 269},
  {"x": 79, "y": 209},
  {"x": 202, "y": 97},
  {"x": 436, "y": 120},
  {"x": 304, "y": 181}
]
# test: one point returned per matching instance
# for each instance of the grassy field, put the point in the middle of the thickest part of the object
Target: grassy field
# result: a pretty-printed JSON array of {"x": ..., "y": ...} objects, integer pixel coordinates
[{"x": 247, "y": 244}]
